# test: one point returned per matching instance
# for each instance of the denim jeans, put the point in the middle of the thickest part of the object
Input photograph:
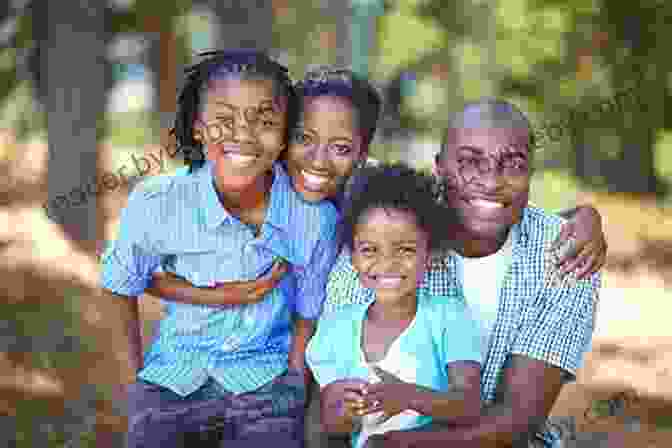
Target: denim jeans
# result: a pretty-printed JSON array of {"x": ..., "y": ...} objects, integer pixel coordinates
[{"x": 213, "y": 417}]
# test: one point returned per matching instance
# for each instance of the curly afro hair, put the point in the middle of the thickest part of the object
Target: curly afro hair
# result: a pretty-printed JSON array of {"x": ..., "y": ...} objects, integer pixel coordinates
[{"x": 398, "y": 187}]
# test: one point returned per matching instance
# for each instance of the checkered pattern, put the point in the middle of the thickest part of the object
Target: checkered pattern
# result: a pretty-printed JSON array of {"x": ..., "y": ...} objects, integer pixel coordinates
[{"x": 539, "y": 316}]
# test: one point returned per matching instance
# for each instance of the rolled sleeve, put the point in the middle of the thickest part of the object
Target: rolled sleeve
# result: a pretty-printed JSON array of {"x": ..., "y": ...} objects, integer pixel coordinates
[
  {"x": 461, "y": 336},
  {"x": 312, "y": 280},
  {"x": 128, "y": 262},
  {"x": 559, "y": 331}
]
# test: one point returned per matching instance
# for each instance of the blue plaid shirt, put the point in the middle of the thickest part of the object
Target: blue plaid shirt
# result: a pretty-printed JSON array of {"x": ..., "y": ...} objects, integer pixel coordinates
[
  {"x": 178, "y": 222},
  {"x": 536, "y": 318}
]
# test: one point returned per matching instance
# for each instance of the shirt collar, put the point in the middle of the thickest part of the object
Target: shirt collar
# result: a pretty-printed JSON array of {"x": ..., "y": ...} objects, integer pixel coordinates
[{"x": 216, "y": 214}]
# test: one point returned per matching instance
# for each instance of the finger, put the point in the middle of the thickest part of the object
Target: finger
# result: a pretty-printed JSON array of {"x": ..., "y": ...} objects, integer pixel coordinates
[
  {"x": 572, "y": 265},
  {"x": 568, "y": 250},
  {"x": 277, "y": 271},
  {"x": 588, "y": 267},
  {"x": 354, "y": 397},
  {"x": 281, "y": 267}
]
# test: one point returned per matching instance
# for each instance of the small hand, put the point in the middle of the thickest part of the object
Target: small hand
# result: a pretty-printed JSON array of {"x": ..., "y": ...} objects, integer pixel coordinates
[
  {"x": 585, "y": 246},
  {"x": 391, "y": 396}
]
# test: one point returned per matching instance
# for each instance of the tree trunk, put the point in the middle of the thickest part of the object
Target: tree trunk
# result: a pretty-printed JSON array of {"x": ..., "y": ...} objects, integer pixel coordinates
[
  {"x": 76, "y": 78},
  {"x": 243, "y": 24},
  {"x": 165, "y": 71}
]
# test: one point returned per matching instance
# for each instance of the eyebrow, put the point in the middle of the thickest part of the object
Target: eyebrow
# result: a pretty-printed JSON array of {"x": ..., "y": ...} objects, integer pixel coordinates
[
  {"x": 397, "y": 243},
  {"x": 262, "y": 103},
  {"x": 470, "y": 148},
  {"x": 304, "y": 128}
]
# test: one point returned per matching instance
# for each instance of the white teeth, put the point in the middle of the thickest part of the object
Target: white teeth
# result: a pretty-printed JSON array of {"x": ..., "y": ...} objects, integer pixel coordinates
[
  {"x": 241, "y": 159},
  {"x": 389, "y": 282},
  {"x": 486, "y": 204},
  {"x": 314, "y": 180}
]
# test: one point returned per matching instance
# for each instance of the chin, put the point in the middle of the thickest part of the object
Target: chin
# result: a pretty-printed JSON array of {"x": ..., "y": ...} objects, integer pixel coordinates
[
  {"x": 487, "y": 230},
  {"x": 312, "y": 196}
]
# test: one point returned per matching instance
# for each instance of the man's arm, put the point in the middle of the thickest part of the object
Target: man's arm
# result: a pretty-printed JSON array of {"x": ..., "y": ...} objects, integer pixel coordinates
[
  {"x": 524, "y": 399},
  {"x": 548, "y": 348}
]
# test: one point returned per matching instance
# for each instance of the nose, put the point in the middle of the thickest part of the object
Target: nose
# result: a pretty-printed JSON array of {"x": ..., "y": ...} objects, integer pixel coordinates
[
  {"x": 242, "y": 131},
  {"x": 387, "y": 263},
  {"x": 319, "y": 157},
  {"x": 491, "y": 181}
]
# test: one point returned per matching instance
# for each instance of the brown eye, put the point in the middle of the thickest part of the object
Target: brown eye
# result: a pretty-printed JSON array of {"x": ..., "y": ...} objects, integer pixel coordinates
[{"x": 342, "y": 150}]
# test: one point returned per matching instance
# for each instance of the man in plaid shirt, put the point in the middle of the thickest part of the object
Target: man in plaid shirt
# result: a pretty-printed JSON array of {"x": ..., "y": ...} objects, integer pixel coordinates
[{"x": 536, "y": 327}]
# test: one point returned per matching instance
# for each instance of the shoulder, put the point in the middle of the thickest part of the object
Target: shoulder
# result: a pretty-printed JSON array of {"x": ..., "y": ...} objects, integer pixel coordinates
[
  {"x": 540, "y": 225},
  {"x": 160, "y": 194},
  {"x": 446, "y": 307}
]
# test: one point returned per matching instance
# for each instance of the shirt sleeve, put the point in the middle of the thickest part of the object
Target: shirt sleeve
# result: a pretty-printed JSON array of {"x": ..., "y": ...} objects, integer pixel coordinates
[
  {"x": 559, "y": 329},
  {"x": 321, "y": 353},
  {"x": 312, "y": 279},
  {"x": 129, "y": 261},
  {"x": 461, "y": 338},
  {"x": 343, "y": 286}
]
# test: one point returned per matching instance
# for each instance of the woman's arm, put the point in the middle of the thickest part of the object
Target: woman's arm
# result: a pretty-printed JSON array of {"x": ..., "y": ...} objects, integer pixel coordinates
[
  {"x": 170, "y": 287},
  {"x": 589, "y": 253}
]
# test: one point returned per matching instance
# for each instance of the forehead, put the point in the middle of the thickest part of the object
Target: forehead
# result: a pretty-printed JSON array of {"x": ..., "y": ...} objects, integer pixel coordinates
[
  {"x": 386, "y": 222},
  {"x": 238, "y": 92},
  {"x": 488, "y": 140},
  {"x": 328, "y": 110}
]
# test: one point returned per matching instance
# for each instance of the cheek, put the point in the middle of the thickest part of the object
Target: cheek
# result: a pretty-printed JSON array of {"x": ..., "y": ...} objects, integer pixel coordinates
[
  {"x": 420, "y": 266},
  {"x": 273, "y": 141},
  {"x": 296, "y": 157}
]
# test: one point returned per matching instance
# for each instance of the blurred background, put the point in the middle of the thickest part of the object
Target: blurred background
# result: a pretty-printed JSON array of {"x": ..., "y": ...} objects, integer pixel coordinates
[{"x": 88, "y": 90}]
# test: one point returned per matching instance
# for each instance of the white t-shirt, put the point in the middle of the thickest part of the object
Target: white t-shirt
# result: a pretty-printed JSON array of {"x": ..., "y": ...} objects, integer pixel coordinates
[{"x": 482, "y": 279}]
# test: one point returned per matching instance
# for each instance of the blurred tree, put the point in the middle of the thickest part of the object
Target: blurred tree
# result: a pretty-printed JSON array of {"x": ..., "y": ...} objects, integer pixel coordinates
[{"x": 73, "y": 88}]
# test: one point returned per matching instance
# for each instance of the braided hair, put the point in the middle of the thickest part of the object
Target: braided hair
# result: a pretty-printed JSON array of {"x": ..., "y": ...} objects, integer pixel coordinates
[
  {"x": 244, "y": 64},
  {"x": 340, "y": 82}
]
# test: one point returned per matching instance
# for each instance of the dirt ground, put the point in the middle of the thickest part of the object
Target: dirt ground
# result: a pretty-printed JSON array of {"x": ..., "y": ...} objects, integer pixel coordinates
[{"x": 632, "y": 347}]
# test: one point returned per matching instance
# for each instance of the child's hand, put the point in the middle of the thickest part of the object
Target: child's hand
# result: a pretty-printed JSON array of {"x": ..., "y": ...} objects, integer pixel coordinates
[{"x": 391, "y": 396}]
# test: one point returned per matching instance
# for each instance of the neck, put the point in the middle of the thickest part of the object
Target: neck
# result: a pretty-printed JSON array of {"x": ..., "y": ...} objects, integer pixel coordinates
[
  {"x": 397, "y": 310},
  {"x": 473, "y": 247},
  {"x": 250, "y": 198}
]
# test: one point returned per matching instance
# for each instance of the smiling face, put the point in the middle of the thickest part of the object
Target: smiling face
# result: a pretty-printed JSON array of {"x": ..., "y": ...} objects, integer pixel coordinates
[
  {"x": 242, "y": 125},
  {"x": 488, "y": 171},
  {"x": 325, "y": 148},
  {"x": 390, "y": 253}
]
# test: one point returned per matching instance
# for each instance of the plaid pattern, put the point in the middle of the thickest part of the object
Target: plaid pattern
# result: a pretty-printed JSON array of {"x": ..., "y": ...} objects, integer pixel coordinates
[
  {"x": 212, "y": 417},
  {"x": 539, "y": 316}
]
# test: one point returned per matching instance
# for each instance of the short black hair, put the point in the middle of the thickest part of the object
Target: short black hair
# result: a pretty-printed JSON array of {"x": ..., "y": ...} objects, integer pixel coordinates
[
  {"x": 398, "y": 187},
  {"x": 494, "y": 111},
  {"x": 241, "y": 62},
  {"x": 330, "y": 80}
]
